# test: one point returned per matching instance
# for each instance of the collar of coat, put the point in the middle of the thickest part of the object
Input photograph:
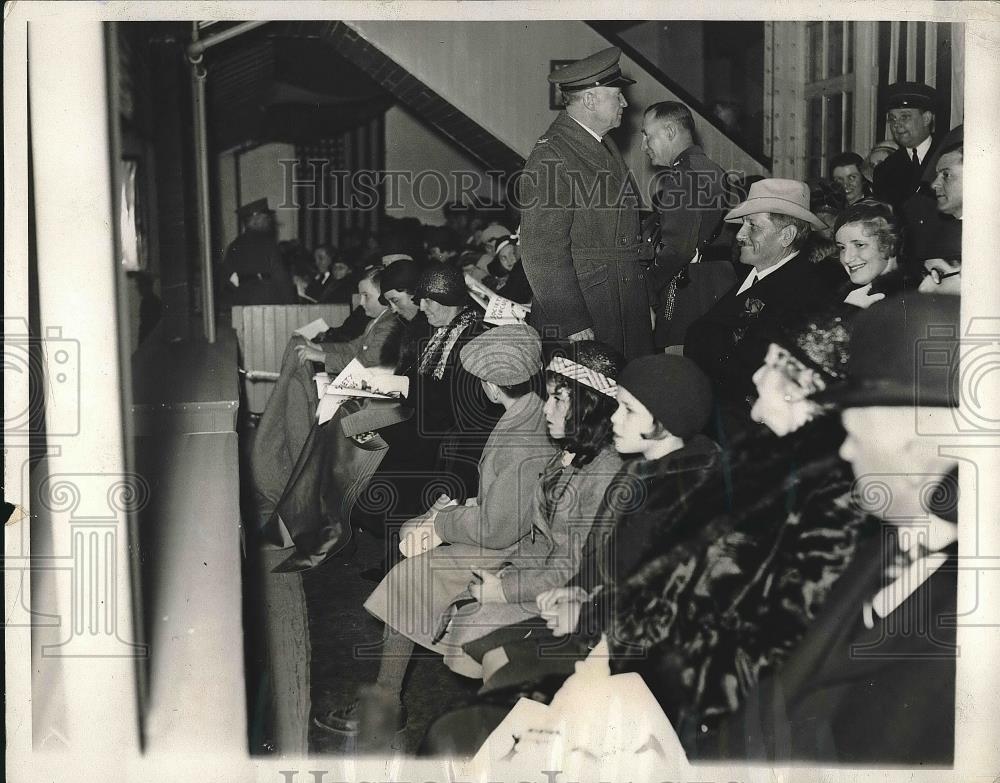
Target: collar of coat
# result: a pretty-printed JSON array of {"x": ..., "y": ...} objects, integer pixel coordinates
[
  {"x": 699, "y": 453},
  {"x": 687, "y": 153},
  {"x": 585, "y": 145}
]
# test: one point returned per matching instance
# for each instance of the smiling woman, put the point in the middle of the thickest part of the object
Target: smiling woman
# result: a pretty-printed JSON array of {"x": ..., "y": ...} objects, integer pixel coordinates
[{"x": 869, "y": 236}]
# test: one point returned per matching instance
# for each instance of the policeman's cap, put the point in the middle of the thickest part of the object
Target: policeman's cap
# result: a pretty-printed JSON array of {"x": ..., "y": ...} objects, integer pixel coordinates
[{"x": 911, "y": 95}]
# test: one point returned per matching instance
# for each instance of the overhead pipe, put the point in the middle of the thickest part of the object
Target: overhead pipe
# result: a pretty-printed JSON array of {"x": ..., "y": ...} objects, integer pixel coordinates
[{"x": 198, "y": 46}]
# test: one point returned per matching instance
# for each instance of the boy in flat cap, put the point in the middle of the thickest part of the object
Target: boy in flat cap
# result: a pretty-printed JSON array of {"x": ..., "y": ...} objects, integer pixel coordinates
[{"x": 579, "y": 216}]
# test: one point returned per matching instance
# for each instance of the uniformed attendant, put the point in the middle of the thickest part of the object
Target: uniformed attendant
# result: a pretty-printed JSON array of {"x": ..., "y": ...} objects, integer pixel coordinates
[
  {"x": 690, "y": 203},
  {"x": 911, "y": 108},
  {"x": 252, "y": 271},
  {"x": 579, "y": 217}
]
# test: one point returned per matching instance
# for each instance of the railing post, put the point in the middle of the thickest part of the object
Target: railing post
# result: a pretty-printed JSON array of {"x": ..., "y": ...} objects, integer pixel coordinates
[{"x": 198, "y": 76}]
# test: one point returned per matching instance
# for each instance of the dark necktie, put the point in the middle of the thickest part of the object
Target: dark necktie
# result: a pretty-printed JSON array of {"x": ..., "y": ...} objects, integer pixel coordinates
[{"x": 916, "y": 160}]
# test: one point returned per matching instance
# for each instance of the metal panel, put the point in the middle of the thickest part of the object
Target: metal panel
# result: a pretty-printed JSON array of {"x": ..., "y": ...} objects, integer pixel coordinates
[{"x": 263, "y": 331}]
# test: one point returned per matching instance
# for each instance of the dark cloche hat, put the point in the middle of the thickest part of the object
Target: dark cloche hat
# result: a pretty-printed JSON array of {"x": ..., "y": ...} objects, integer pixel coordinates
[
  {"x": 598, "y": 70},
  {"x": 673, "y": 388},
  {"x": 903, "y": 352},
  {"x": 443, "y": 283},
  {"x": 907, "y": 95},
  {"x": 401, "y": 275}
]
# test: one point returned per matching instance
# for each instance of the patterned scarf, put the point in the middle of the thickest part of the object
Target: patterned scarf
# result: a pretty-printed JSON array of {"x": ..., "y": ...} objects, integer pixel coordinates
[{"x": 434, "y": 358}]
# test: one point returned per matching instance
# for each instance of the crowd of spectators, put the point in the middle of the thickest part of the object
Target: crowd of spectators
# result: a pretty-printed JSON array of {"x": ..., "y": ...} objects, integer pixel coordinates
[{"x": 704, "y": 507}]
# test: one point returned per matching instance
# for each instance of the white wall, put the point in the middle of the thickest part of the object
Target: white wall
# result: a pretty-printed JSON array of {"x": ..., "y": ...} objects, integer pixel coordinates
[
  {"x": 677, "y": 48},
  {"x": 496, "y": 72},
  {"x": 261, "y": 175},
  {"x": 411, "y": 146}
]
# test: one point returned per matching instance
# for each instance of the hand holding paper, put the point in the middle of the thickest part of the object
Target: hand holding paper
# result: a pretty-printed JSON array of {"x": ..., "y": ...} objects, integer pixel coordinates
[
  {"x": 312, "y": 330},
  {"x": 417, "y": 537}
]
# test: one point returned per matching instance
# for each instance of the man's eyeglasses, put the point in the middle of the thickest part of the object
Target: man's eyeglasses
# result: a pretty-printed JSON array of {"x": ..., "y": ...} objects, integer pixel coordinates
[{"x": 937, "y": 275}]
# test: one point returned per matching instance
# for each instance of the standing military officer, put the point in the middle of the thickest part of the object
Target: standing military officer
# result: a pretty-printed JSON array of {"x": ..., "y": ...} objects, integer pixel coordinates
[
  {"x": 579, "y": 216},
  {"x": 689, "y": 205}
]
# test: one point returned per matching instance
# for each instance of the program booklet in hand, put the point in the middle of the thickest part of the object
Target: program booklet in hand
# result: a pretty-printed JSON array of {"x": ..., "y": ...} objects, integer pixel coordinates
[{"x": 312, "y": 329}]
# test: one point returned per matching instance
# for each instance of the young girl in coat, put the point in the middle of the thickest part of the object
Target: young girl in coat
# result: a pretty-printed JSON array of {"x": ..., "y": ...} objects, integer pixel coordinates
[
  {"x": 495, "y": 571},
  {"x": 664, "y": 401}
]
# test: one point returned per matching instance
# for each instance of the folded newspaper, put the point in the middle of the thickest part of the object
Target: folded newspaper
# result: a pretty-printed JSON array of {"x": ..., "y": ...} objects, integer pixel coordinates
[
  {"x": 356, "y": 380},
  {"x": 498, "y": 309}
]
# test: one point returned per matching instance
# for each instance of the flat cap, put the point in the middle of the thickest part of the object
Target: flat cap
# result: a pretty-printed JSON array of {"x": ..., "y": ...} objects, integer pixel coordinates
[
  {"x": 505, "y": 355},
  {"x": 911, "y": 95},
  {"x": 598, "y": 70}
]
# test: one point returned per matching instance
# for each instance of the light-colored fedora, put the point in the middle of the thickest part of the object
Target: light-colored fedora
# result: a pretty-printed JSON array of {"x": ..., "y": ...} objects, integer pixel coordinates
[{"x": 782, "y": 196}]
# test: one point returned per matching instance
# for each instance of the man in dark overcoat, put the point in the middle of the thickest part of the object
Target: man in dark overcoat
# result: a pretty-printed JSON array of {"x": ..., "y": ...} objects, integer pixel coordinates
[
  {"x": 252, "y": 271},
  {"x": 579, "y": 217}
]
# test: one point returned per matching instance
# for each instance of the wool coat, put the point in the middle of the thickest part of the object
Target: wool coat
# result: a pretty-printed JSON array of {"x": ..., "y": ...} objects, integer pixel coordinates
[
  {"x": 580, "y": 242},
  {"x": 632, "y": 511},
  {"x": 263, "y": 278},
  {"x": 855, "y": 695},
  {"x": 482, "y": 534},
  {"x": 566, "y": 502},
  {"x": 291, "y": 409}
]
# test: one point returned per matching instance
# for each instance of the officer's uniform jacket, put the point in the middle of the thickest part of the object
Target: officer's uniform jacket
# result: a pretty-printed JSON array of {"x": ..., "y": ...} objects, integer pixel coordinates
[{"x": 580, "y": 240}]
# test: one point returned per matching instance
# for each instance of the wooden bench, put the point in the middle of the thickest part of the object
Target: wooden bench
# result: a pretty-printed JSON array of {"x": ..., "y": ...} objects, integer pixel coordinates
[{"x": 262, "y": 333}]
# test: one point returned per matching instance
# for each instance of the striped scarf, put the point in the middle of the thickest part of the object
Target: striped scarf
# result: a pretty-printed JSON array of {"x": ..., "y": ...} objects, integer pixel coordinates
[{"x": 434, "y": 358}]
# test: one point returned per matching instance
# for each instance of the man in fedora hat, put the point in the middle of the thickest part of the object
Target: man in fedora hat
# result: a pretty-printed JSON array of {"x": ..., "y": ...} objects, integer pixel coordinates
[
  {"x": 911, "y": 107},
  {"x": 873, "y": 681},
  {"x": 579, "y": 216},
  {"x": 252, "y": 271},
  {"x": 728, "y": 341}
]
